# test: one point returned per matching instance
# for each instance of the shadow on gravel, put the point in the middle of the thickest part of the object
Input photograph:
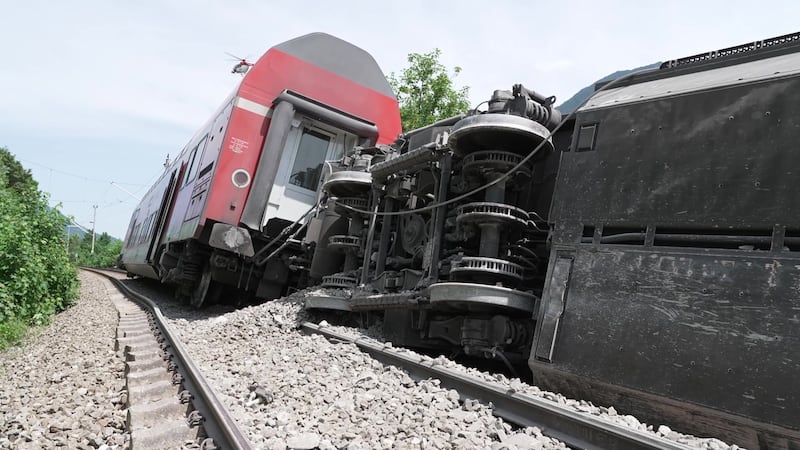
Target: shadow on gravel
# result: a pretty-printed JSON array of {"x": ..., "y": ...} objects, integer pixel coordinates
[{"x": 172, "y": 308}]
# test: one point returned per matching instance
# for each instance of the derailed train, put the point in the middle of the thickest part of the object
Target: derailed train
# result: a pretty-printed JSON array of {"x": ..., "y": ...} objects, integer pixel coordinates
[{"x": 643, "y": 252}]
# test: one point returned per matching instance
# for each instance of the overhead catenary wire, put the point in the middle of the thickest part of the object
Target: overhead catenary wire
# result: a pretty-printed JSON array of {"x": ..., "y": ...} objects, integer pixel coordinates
[
  {"x": 497, "y": 180},
  {"x": 93, "y": 202},
  {"x": 75, "y": 175}
]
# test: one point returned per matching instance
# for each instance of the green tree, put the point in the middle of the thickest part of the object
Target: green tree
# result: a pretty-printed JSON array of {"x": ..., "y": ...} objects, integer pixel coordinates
[
  {"x": 15, "y": 176},
  {"x": 36, "y": 278},
  {"x": 426, "y": 92},
  {"x": 73, "y": 246},
  {"x": 106, "y": 251}
]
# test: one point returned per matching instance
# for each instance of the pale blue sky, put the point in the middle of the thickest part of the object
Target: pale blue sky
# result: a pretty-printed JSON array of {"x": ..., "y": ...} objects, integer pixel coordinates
[{"x": 99, "y": 91}]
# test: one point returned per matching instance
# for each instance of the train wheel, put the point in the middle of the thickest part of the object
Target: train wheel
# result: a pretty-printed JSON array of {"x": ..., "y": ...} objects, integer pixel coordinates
[{"x": 200, "y": 292}]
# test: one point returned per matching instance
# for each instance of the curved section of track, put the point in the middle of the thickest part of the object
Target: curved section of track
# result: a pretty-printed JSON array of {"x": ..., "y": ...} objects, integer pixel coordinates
[
  {"x": 216, "y": 421},
  {"x": 574, "y": 429}
]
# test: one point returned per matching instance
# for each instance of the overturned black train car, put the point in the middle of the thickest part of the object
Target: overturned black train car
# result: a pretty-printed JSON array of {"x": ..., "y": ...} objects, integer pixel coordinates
[
  {"x": 674, "y": 267},
  {"x": 642, "y": 252}
]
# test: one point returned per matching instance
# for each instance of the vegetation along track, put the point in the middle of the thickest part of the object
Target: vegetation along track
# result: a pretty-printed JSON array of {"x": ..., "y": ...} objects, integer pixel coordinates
[{"x": 159, "y": 414}]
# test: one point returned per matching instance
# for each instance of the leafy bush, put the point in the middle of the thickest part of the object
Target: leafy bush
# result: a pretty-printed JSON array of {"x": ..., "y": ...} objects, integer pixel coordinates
[
  {"x": 106, "y": 250},
  {"x": 36, "y": 278}
]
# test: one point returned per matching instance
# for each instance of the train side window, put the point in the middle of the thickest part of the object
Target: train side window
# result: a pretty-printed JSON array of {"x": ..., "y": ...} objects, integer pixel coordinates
[
  {"x": 131, "y": 229},
  {"x": 310, "y": 157},
  {"x": 194, "y": 160},
  {"x": 205, "y": 170},
  {"x": 189, "y": 164},
  {"x": 135, "y": 233},
  {"x": 150, "y": 222}
]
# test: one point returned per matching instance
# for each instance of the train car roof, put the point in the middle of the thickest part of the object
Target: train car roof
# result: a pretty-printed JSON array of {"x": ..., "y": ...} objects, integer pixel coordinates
[
  {"x": 339, "y": 57},
  {"x": 326, "y": 70},
  {"x": 744, "y": 64}
]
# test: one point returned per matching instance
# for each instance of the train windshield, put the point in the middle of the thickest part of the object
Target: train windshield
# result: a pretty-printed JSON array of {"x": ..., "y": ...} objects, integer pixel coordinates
[{"x": 311, "y": 153}]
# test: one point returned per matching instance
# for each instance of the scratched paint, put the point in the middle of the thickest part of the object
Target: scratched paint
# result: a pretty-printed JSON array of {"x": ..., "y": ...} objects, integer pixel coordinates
[{"x": 711, "y": 322}]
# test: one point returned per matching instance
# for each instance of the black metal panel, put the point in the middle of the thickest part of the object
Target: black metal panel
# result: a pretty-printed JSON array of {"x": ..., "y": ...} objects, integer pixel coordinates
[
  {"x": 714, "y": 328},
  {"x": 539, "y": 193},
  {"x": 722, "y": 158},
  {"x": 552, "y": 309}
]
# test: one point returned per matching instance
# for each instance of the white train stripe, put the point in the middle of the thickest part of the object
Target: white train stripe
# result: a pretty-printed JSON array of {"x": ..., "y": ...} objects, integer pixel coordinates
[{"x": 253, "y": 107}]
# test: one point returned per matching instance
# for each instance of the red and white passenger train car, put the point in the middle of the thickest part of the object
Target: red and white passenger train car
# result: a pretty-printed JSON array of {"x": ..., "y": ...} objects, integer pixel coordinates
[{"x": 254, "y": 168}]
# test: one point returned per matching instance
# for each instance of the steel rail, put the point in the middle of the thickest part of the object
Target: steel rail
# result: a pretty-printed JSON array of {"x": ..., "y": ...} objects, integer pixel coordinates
[
  {"x": 577, "y": 430},
  {"x": 217, "y": 423}
]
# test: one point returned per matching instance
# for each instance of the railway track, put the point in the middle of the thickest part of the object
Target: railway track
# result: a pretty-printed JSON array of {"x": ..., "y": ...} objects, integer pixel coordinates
[
  {"x": 169, "y": 401},
  {"x": 562, "y": 422},
  {"x": 580, "y": 431}
]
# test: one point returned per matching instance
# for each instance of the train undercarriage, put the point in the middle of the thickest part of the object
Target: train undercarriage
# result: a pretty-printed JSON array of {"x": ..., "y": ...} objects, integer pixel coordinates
[{"x": 412, "y": 231}]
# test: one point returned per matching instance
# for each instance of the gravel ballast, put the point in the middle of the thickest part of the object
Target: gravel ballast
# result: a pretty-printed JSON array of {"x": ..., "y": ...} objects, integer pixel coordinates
[
  {"x": 608, "y": 414},
  {"x": 64, "y": 385},
  {"x": 288, "y": 389},
  {"x": 291, "y": 390}
]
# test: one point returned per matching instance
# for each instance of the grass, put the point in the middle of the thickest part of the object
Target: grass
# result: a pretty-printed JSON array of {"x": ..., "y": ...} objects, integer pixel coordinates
[{"x": 11, "y": 331}]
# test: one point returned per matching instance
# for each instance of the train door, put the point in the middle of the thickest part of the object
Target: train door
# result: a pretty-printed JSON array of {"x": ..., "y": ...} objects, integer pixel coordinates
[
  {"x": 160, "y": 217},
  {"x": 308, "y": 146}
]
